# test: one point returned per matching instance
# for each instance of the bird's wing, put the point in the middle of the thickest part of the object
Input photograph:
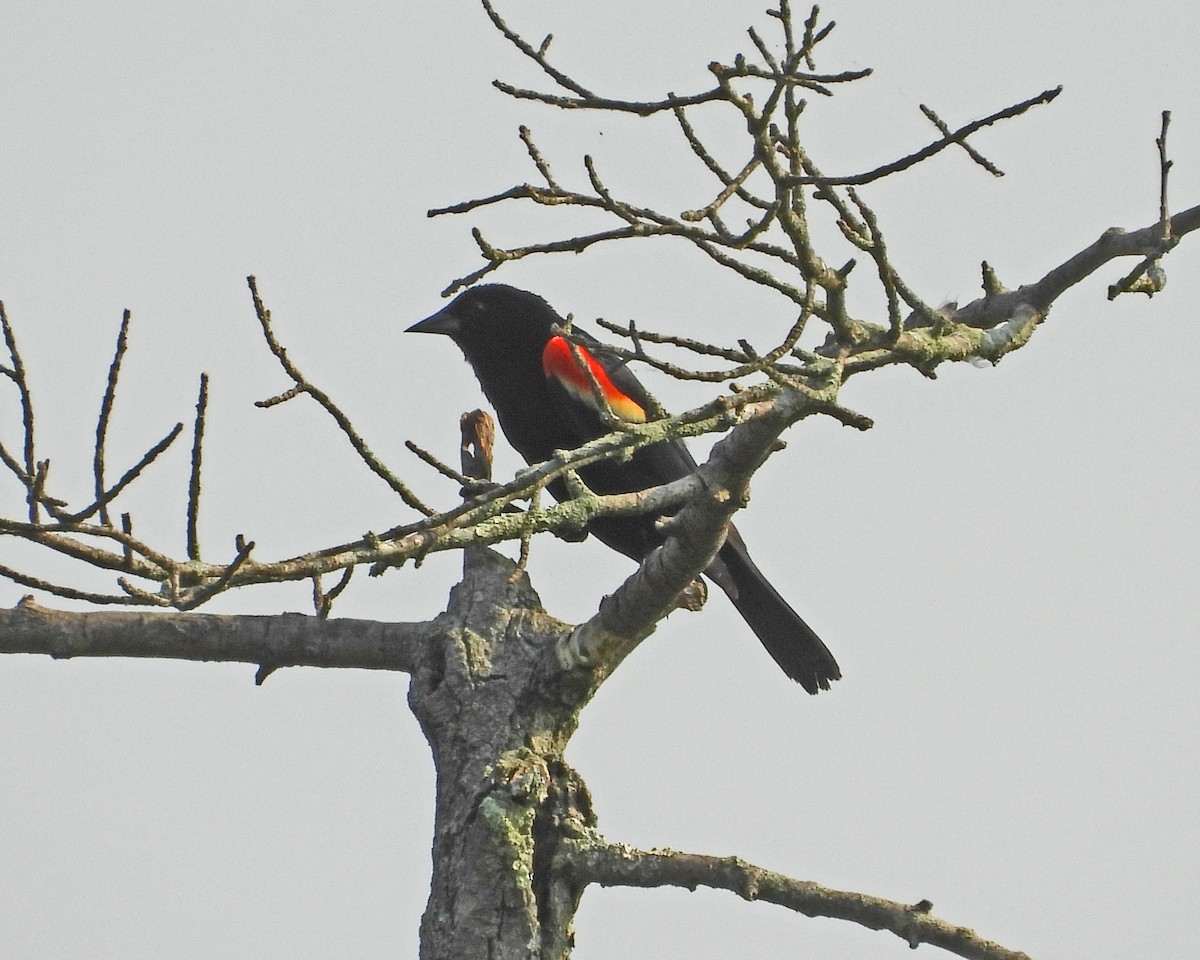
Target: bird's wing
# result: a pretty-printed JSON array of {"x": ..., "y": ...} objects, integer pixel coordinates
[
  {"x": 624, "y": 396},
  {"x": 595, "y": 380}
]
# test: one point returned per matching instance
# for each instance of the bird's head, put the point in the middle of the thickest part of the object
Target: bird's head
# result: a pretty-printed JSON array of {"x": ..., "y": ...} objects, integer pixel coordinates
[
  {"x": 494, "y": 320},
  {"x": 509, "y": 338}
]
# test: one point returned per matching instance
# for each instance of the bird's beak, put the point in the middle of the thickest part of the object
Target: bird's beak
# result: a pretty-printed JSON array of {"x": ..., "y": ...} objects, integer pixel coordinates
[{"x": 445, "y": 321}]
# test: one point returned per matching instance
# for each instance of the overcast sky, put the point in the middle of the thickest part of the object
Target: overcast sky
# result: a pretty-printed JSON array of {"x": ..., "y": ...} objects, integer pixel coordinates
[{"x": 1006, "y": 566}]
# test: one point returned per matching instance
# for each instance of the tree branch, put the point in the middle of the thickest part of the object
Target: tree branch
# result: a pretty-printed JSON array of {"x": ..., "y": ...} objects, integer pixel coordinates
[
  {"x": 106, "y": 405},
  {"x": 1146, "y": 242},
  {"x": 613, "y": 865},
  {"x": 16, "y": 373},
  {"x": 286, "y": 640},
  {"x": 951, "y": 138},
  {"x": 1004, "y": 320},
  {"x": 193, "y": 505},
  {"x": 302, "y": 385},
  {"x": 631, "y": 612}
]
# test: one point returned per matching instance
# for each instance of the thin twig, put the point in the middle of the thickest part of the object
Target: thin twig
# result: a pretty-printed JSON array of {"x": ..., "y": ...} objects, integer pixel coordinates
[
  {"x": 527, "y": 531},
  {"x": 535, "y": 155},
  {"x": 67, "y": 593},
  {"x": 731, "y": 188},
  {"x": 16, "y": 373},
  {"x": 193, "y": 507},
  {"x": 706, "y": 157},
  {"x": 1148, "y": 276},
  {"x": 956, "y": 137},
  {"x": 59, "y": 537},
  {"x": 17, "y": 470},
  {"x": 746, "y": 365},
  {"x": 322, "y": 599},
  {"x": 143, "y": 597},
  {"x": 537, "y": 56},
  {"x": 811, "y": 37},
  {"x": 205, "y": 593},
  {"x": 127, "y": 550},
  {"x": 440, "y": 465},
  {"x": 106, "y": 405},
  {"x": 109, "y": 495},
  {"x": 971, "y": 151},
  {"x": 1164, "y": 167},
  {"x": 641, "y": 108},
  {"x": 878, "y": 252},
  {"x": 603, "y": 407},
  {"x": 302, "y": 385}
]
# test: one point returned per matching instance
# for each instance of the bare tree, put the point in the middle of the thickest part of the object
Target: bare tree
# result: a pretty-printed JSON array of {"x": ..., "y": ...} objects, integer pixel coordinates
[{"x": 497, "y": 683}]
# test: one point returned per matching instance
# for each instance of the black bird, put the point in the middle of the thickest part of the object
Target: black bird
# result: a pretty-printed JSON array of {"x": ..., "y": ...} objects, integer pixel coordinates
[{"x": 546, "y": 402}]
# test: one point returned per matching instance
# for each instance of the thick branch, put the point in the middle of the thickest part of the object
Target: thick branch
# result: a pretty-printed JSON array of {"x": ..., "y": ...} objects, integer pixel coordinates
[
  {"x": 1114, "y": 243},
  {"x": 286, "y": 640},
  {"x": 632, "y": 611},
  {"x": 1003, "y": 320},
  {"x": 612, "y": 865}
]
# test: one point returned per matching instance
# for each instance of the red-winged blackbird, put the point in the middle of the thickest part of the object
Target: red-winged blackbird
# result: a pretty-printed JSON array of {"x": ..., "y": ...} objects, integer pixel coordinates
[{"x": 546, "y": 402}]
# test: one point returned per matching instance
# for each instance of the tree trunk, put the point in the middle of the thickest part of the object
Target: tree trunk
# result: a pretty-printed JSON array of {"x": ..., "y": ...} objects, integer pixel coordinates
[{"x": 498, "y": 714}]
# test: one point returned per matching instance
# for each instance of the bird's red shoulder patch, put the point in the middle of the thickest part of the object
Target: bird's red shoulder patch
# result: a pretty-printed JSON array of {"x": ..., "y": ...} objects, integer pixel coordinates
[{"x": 560, "y": 364}]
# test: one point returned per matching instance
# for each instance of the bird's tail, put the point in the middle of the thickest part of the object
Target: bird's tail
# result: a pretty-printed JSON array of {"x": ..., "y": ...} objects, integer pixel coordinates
[{"x": 789, "y": 640}]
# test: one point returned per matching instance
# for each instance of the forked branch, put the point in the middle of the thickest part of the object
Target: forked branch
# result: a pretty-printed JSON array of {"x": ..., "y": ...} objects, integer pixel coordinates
[
  {"x": 303, "y": 385},
  {"x": 776, "y": 250},
  {"x": 152, "y": 577}
]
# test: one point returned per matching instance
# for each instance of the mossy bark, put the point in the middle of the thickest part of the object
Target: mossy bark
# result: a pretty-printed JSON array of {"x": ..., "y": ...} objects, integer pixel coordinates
[{"x": 498, "y": 713}]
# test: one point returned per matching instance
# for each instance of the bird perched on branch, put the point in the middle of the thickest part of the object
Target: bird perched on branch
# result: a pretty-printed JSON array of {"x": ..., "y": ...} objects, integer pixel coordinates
[{"x": 546, "y": 401}]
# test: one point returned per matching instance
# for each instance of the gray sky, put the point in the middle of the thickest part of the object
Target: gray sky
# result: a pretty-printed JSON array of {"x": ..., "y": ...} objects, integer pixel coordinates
[{"x": 1006, "y": 566}]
